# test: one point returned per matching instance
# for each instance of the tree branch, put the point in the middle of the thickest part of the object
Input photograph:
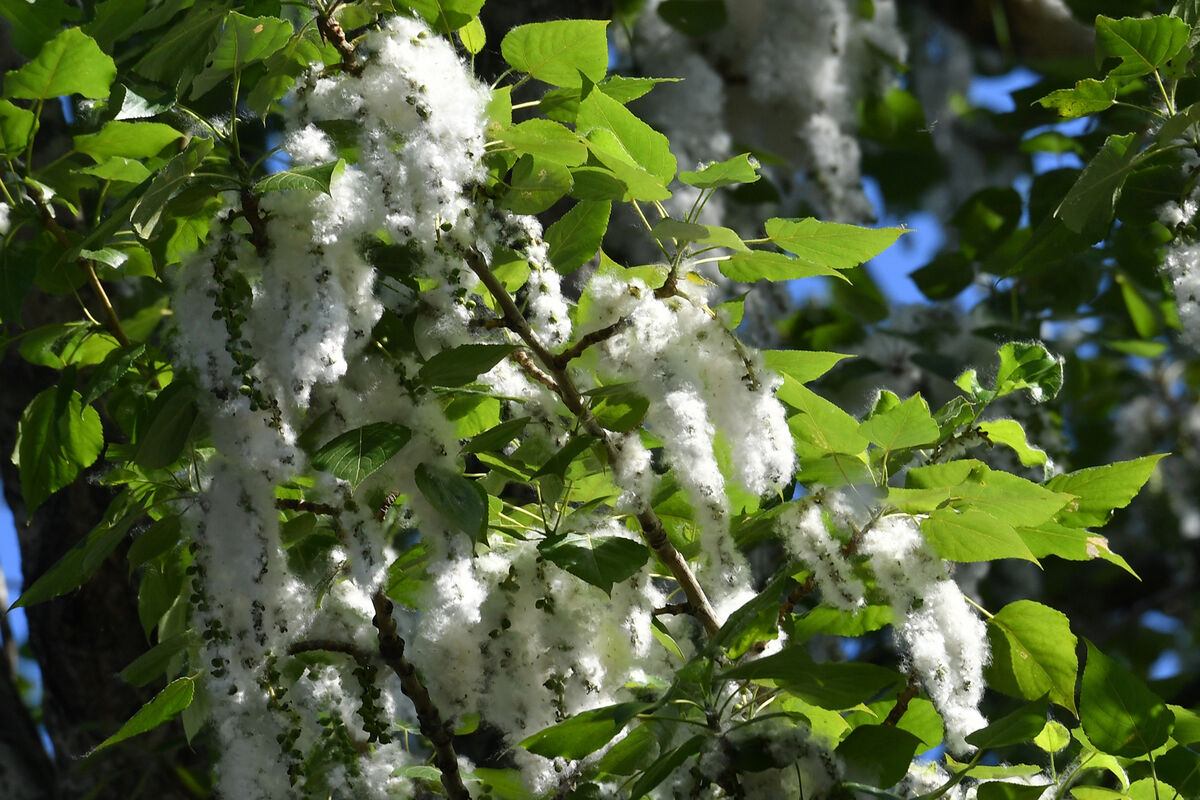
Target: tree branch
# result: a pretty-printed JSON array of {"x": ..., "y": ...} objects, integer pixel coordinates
[
  {"x": 391, "y": 647},
  {"x": 331, "y": 31},
  {"x": 652, "y": 527},
  {"x": 906, "y": 695}
]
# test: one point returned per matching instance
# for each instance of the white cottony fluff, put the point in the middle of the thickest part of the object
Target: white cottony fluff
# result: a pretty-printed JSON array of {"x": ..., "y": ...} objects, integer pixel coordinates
[{"x": 944, "y": 639}]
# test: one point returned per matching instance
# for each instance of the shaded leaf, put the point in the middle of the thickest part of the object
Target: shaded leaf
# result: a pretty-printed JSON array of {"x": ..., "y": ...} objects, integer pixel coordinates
[
  {"x": 584, "y": 733},
  {"x": 877, "y": 755},
  {"x": 1119, "y": 714},
  {"x": 1016, "y": 727},
  {"x": 355, "y": 454},
  {"x": 599, "y": 560},
  {"x": 461, "y": 365},
  {"x": 1088, "y": 207},
  {"x": 694, "y": 17},
  {"x": 831, "y": 685},
  {"x": 242, "y": 41},
  {"x": 16, "y": 125},
  {"x": 461, "y": 501},
  {"x": 171, "y": 418},
  {"x": 55, "y": 440},
  {"x": 166, "y": 705}
]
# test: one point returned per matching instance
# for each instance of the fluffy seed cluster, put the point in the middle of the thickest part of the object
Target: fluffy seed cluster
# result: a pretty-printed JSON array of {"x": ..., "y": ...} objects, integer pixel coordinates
[{"x": 944, "y": 639}]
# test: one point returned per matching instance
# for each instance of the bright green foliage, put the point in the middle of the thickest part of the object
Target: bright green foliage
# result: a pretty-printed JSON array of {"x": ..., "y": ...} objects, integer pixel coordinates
[{"x": 572, "y": 446}]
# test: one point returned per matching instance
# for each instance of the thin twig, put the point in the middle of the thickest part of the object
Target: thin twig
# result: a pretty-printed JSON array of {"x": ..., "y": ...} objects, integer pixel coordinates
[
  {"x": 391, "y": 648},
  {"x": 533, "y": 370},
  {"x": 795, "y": 596},
  {"x": 652, "y": 527},
  {"x": 293, "y": 504},
  {"x": 587, "y": 340},
  {"x": 673, "y": 609},
  {"x": 89, "y": 269},
  {"x": 331, "y": 31},
  {"x": 906, "y": 695}
]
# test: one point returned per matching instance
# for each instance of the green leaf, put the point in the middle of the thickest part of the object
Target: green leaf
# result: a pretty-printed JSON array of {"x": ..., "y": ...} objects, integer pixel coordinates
[
  {"x": 1100, "y": 490},
  {"x": 473, "y": 36},
  {"x": 1009, "y": 433},
  {"x": 243, "y": 41},
  {"x": 55, "y": 440},
  {"x": 461, "y": 501},
  {"x": 148, "y": 208},
  {"x": 599, "y": 560},
  {"x": 461, "y": 365},
  {"x": 498, "y": 437},
  {"x": 560, "y": 52},
  {"x": 1033, "y": 653},
  {"x": 16, "y": 126},
  {"x": 973, "y": 535},
  {"x": 156, "y": 540},
  {"x": 118, "y": 168},
  {"x": 546, "y": 140},
  {"x": 877, "y": 755},
  {"x": 616, "y": 135},
  {"x": 127, "y": 139},
  {"x": 739, "y": 169},
  {"x": 178, "y": 51},
  {"x": 70, "y": 63},
  {"x": 831, "y": 244},
  {"x": 310, "y": 179},
  {"x": 574, "y": 239},
  {"x": 824, "y": 425},
  {"x": 631, "y": 754},
  {"x": 1053, "y": 738},
  {"x": 618, "y": 407},
  {"x": 667, "y": 763},
  {"x": 558, "y": 463},
  {"x": 1118, "y": 713},
  {"x": 584, "y": 733},
  {"x": 152, "y": 663},
  {"x": 756, "y": 265},
  {"x": 1030, "y": 367},
  {"x": 172, "y": 416},
  {"x": 114, "y": 366},
  {"x": 1088, "y": 207},
  {"x": 694, "y": 17},
  {"x": 997, "y": 790},
  {"x": 447, "y": 16},
  {"x": 801, "y": 366},
  {"x": 907, "y": 425},
  {"x": 1088, "y": 97},
  {"x": 355, "y": 454},
  {"x": 1073, "y": 544},
  {"x": 79, "y": 563},
  {"x": 828, "y": 684},
  {"x": 1145, "y": 321},
  {"x": 1142, "y": 44},
  {"x": 167, "y": 704},
  {"x": 535, "y": 185},
  {"x": 32, "y": 25},
  {"x": 1016, "y": 727}
]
